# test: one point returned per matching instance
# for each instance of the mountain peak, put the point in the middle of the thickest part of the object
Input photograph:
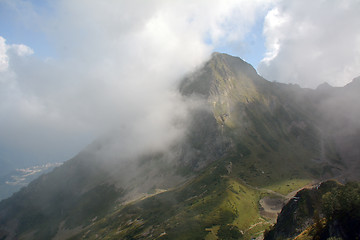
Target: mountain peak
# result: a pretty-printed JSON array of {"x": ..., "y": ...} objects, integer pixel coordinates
[
  {"x": 354, "y": 83},
  {"x": 237, "y": 61},
  {"x": 222, "y": 69},
  {"x": 324, "y": 86}
]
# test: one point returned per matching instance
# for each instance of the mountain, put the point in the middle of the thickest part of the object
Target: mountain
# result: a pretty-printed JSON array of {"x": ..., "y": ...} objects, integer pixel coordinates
[{"x": 249, "y": 146}]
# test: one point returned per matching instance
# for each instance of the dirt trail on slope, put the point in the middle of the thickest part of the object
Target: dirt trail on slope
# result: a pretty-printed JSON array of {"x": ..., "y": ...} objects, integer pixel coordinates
[{"x": 271, "y": 206}]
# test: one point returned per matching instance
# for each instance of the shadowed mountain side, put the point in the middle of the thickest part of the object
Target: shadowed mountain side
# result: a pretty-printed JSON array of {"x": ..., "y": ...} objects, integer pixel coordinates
[
  {"x": 340, "y": 116},
  {"x": 88, "y": 185},
  {"x": 264, "y": 118}
]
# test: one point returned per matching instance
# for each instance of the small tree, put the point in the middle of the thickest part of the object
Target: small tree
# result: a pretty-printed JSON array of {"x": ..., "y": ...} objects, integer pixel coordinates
[{"x": 229, "y": 232}]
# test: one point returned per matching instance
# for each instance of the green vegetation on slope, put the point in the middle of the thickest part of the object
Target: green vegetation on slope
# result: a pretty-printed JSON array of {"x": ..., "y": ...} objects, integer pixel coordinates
[{"x": 208, "y": 202}]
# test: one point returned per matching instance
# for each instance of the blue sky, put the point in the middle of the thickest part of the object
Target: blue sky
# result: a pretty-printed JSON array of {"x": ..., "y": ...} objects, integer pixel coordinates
[
  {"x": 252, "y": 48},
  {"x": 17, "y": 31}
]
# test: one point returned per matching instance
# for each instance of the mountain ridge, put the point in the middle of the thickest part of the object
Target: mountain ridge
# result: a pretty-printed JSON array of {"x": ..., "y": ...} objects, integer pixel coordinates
[{"x": 251, "y": 135}]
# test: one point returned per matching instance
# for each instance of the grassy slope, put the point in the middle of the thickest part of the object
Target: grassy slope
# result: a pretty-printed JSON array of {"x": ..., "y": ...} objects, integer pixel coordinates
[
  {"x": 190, "y": 212},
  {"x": 193, "y": 211}
]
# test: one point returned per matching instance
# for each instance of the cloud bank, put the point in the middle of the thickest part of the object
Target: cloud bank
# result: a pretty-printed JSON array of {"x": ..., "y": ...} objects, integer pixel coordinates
[
  {"x": 311, "y": 43},
  {"x": 117, "y": 66}
]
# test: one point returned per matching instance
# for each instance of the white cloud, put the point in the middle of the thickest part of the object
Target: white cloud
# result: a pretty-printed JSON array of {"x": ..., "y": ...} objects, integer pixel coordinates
[
  {"x": 5, "y": 49},
  {"x": 274, "y": 21},
  {"x": 118, "y": 65},
  {"x": 22, "y": 50},
  {"x": 4, "y": 61},
  {"x": 312, "y": 43}
]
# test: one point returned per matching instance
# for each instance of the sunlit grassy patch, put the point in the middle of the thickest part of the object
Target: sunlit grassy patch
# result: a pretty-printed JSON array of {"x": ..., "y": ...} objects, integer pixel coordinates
[{"x": 287, "y": 186}]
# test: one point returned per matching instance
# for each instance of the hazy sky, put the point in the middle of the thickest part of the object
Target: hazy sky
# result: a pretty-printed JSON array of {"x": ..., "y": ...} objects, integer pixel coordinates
[{"x": 73, "y": 69}]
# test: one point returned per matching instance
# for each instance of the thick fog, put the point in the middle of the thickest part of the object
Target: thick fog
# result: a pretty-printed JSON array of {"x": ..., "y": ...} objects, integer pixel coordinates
[{"x": 114, "y": 66}]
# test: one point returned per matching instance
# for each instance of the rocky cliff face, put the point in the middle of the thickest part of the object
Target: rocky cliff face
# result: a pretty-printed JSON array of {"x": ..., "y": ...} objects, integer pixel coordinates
[{"x": 329, "y": 210}]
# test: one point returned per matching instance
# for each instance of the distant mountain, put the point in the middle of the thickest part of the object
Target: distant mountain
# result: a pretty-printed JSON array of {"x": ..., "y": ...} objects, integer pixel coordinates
[{"x": 249, "y": 147}]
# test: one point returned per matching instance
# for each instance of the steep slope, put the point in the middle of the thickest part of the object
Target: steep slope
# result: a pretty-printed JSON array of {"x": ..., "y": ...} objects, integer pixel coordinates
[
  {"x": 251, "y": 139},
  {"x": 262, "y": 118},
  {"x": 339, "y": 115},
  {"x": 330, "y": 210}
]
